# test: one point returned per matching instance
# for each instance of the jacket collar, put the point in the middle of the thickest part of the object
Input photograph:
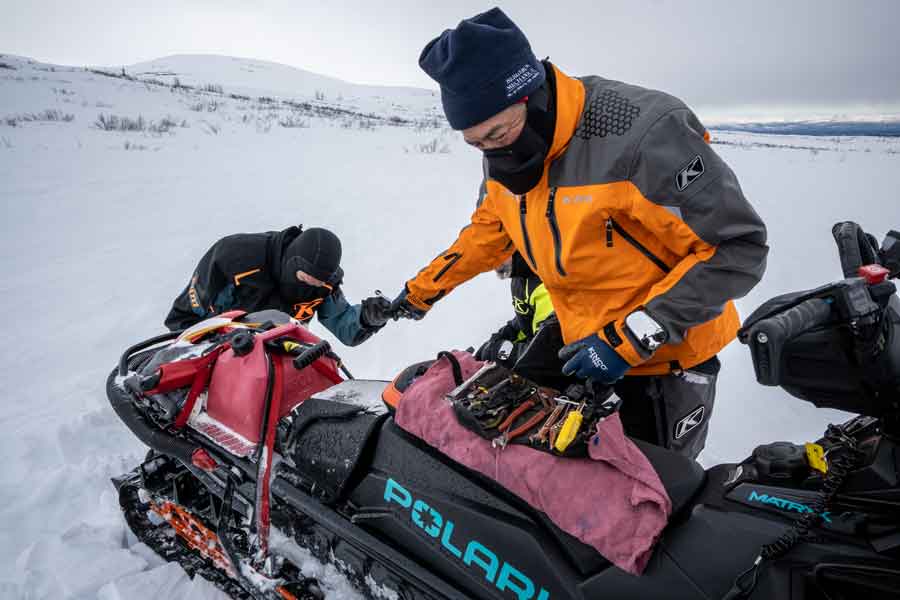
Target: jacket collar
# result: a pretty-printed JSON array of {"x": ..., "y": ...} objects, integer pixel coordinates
[{"x": 569, "y": 106}]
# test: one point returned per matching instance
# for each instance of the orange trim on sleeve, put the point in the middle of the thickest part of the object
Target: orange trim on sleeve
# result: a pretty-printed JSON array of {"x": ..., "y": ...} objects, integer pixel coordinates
[
  {"x": 417, "y": 302},
  {"x": 626, "y": 350},
  {"x": 239, "y": 276}
]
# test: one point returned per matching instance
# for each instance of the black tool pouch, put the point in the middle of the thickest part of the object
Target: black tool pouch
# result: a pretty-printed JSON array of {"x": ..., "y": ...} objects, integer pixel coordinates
[{"x": 505, "y": 408}]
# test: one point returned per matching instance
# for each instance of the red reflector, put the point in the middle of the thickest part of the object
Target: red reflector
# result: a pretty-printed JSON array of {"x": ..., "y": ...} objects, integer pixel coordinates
[
  {"x": 202, "y": 460},
  {"x": 873, "y": 274}
]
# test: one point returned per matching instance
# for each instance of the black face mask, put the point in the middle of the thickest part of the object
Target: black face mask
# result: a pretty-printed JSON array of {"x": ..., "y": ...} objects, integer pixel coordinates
[
  {"x": 520, "y": 165},
  {"x": 296, "y": 292}
]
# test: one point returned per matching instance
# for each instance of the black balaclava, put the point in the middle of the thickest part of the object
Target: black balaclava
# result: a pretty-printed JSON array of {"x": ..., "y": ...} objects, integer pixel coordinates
[
  {"x": 520, "y": 165},
  {"x": 317, "y": 252}
]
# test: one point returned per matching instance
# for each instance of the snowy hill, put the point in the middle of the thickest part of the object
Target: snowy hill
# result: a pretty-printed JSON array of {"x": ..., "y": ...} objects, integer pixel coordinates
[
  {"x": 256, "y": 78},
  {"x": 113, "y": 185}
]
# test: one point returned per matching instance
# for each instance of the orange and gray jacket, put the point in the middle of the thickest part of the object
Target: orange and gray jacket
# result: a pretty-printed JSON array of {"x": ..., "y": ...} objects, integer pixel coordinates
[{"x": 634, "y": 211}]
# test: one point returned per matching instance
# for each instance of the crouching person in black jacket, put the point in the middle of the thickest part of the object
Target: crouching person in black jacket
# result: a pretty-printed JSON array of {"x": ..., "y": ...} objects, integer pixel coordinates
[{"x": 294, "y": 271}]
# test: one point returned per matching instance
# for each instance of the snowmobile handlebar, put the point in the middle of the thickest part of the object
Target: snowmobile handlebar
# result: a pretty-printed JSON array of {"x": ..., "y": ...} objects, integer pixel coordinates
[
  {"x": 312, "y": 354},
  {"x": 767, "y": 337}
]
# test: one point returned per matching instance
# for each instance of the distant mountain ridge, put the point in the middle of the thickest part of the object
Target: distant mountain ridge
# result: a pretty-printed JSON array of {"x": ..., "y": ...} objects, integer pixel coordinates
[{"x": 887, "y": 128}]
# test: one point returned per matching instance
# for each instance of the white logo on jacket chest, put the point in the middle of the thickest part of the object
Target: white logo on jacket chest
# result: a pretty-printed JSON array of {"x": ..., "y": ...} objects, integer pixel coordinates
[{"x": 577, "y": 199}]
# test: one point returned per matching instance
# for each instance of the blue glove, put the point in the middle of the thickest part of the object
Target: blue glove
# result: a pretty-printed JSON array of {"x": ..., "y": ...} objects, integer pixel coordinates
[{"x": 593, "y": 358}]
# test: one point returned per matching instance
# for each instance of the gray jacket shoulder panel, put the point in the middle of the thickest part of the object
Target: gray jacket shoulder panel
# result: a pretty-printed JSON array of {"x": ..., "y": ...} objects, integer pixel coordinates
[
  {"x": 675, "y": 167},
  {"x": 615, "y": 118}
]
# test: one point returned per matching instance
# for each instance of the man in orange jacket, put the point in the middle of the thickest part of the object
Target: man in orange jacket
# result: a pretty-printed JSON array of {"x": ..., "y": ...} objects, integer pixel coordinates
[{"x": 615, "y": 198}]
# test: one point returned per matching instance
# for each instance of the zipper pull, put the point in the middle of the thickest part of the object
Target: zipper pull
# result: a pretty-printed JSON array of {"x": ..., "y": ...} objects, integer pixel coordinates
[
  {"x": 550, "y": 202},
  {"x": 523, "y": 207},
  {"x": 609, "y": 232}
]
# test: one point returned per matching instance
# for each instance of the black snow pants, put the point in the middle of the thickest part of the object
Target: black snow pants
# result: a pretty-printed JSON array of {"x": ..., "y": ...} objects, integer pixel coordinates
[{"x": 670, "y": 410}]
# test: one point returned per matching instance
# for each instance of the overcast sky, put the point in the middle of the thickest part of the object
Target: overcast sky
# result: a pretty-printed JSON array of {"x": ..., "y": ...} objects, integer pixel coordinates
[{"x": 709, "y": 52}]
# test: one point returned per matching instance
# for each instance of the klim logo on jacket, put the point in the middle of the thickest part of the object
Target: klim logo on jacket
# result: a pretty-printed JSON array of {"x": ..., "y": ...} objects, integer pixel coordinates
[{"x": 689, "y": 174}]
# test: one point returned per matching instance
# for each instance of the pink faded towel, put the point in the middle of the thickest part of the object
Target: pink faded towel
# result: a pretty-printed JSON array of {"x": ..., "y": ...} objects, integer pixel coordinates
[{"x": 613, "y": 501}]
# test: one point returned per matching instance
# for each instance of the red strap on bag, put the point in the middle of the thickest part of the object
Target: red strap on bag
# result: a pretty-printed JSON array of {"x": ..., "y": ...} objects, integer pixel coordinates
[
  {"x": 264, "y": 474},
  {"x": 195, "y": 372}
]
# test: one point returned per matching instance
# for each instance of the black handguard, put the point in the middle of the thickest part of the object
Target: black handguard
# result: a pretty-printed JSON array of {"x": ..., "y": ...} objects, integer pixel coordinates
[
  {"x": 889, "y": 254},
  {"x": 767, "y": 337}
]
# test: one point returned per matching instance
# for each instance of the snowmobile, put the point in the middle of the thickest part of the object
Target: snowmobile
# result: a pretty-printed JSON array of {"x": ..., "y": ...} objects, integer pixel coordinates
[{"x": 264, "y": 450}]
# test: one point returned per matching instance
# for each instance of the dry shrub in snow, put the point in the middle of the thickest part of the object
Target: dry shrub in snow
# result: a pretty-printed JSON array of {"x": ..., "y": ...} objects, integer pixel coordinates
[
  {"x": 294, "y": 121},
  {"x": 117, "y": 123},
  {"x": 51, "y": 114},
  {"x": 205, "y": 106},
  {"x": 163, "y": 126},
  {"x": 435, "y": 146},
  {"x": 153, "y": 81},
  {"x": 210, "y": 128}
]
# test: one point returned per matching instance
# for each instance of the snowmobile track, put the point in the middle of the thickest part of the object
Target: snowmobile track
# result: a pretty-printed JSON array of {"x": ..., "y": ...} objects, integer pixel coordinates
[{"x": 370, "y": 577}]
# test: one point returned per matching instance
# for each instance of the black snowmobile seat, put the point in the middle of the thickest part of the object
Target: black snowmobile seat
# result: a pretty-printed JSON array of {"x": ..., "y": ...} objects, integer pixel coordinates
[{"x": 681, "y": 476}]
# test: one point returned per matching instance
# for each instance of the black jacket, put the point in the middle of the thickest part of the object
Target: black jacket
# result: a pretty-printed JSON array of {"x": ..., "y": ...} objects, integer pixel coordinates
[{"x": 242, "y": 271}]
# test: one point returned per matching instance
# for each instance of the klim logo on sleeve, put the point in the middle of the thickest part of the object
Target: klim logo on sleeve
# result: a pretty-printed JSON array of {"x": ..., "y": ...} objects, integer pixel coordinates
[{"x": 689, "y": 174}]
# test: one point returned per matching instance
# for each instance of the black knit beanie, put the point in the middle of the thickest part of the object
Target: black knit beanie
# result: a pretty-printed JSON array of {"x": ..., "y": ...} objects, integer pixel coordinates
[
  {"x": 483, "y": 66},
  {"x": 316, "y": 252}
]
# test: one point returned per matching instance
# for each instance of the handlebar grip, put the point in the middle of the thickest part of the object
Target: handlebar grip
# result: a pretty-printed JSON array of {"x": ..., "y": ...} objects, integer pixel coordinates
[
  {"x": 312, "y": 354},
  {"x": 768, "y": 337}
]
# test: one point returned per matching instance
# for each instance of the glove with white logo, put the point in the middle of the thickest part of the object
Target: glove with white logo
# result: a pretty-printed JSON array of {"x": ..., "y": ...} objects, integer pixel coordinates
[{"x": 593, "y": 358}]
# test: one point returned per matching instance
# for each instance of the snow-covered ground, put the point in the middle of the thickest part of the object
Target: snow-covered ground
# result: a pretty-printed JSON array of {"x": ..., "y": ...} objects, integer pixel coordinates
[{"x": 101, "y": 230}]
